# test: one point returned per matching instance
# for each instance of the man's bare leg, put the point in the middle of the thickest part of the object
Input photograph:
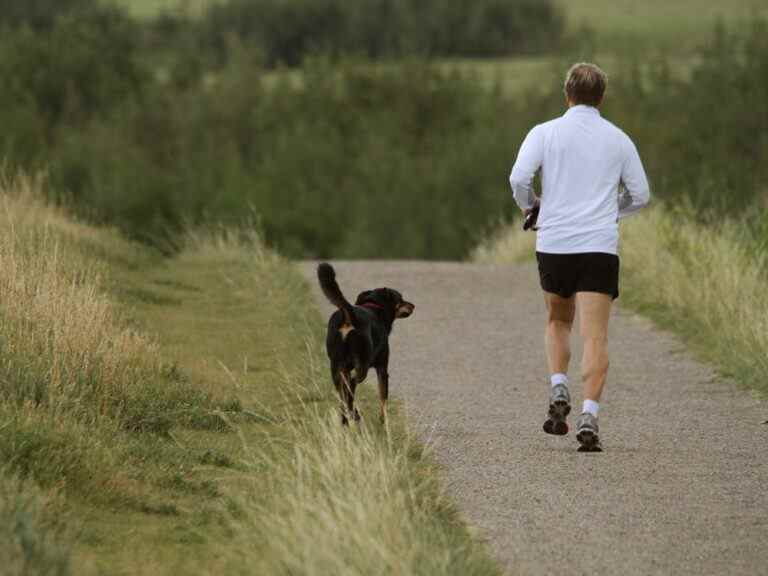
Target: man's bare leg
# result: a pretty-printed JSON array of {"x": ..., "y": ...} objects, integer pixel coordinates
[
  {"x": 560, "y": 313},
  {"x": 594, "y": 312}
]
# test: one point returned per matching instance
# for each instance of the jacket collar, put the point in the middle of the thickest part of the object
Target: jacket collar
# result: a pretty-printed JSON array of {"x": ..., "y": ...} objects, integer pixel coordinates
[{"x": 582, "y": 109}]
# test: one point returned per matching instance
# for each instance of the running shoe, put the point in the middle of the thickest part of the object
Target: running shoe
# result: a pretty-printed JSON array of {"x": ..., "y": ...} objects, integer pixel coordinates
[
  {"x": 559, "y": 408},
  {"x": 587, "y": 433}
]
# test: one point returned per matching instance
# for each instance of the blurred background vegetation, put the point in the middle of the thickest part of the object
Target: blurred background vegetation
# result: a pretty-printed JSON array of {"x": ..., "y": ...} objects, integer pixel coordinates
[{"x": 374, "y": 128}]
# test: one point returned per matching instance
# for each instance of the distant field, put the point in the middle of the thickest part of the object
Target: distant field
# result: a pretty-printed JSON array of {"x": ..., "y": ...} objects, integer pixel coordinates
[
  {"x": 679, "y": 24},
  {"x": 619, "y": 26},
  {"x": 151, "y": 7}
]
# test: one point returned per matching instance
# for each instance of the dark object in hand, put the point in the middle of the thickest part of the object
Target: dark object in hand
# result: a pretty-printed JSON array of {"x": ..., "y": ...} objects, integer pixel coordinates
[{"x": 530, "y": 219}]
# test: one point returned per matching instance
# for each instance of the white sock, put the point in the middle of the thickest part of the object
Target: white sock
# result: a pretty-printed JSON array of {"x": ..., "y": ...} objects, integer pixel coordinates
[
  {"x": 591, "y": 406},
  {"x": 558, "y": 378}
]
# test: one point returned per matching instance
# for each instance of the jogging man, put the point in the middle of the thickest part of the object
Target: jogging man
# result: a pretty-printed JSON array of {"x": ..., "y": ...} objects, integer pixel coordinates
[{"x": 591, "y": 176}]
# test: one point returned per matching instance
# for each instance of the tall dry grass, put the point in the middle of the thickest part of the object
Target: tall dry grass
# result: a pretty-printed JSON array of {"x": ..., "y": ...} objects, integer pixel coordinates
[
  {"x": 65, "y": 346},
  {"x": 509, "y": 245},
  {"x": 75, "y": 376},
  {"x": 704, "y": 282},
  {"x": 63, "y": 342},
  {"x": 352, "y": 501}
]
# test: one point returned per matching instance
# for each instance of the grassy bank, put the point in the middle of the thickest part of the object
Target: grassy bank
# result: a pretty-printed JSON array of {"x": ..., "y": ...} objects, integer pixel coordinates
[
  {"x": 175, "y": 416},
  {"x": 88, "y": 402},
  {"x": 704, "y": 282},
  {"x": 311, "y": 497}
]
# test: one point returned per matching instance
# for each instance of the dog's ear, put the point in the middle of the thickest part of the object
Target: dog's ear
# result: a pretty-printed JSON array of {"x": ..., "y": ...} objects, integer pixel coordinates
[{"x": 363, "y": 297}]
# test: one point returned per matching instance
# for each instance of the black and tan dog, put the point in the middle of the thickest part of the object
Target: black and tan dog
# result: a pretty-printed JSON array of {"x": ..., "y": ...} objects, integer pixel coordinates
[{"x": 358, "y": 338}]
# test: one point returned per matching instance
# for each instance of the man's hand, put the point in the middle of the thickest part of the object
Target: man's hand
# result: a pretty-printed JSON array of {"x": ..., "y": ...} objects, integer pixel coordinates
[{"x": 530, "y": 216}]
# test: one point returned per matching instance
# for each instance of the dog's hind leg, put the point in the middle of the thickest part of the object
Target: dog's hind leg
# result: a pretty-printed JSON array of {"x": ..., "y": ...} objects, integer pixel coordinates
[
  {"x": 340, "y": 381},
  {"x": 383, "y": 378},
  {"x": 349, "y": 384}
]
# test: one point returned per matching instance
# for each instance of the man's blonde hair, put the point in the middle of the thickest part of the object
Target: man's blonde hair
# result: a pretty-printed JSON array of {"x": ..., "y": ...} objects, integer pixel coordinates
[{"x": 585, "y": 84}]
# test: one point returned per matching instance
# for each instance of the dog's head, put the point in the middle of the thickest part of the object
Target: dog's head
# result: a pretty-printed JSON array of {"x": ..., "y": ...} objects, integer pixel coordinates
[{"x": 386, "y": 299}]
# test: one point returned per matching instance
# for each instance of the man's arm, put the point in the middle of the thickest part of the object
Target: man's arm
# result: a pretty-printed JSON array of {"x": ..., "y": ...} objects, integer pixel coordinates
[
  {"x": 529, "y": 160},
  {"x": 634, "y": 192}
]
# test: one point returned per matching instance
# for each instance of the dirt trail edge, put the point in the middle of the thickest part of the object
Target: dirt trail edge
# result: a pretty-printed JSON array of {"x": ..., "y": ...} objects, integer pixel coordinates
[{"x": 682, "y": 487}]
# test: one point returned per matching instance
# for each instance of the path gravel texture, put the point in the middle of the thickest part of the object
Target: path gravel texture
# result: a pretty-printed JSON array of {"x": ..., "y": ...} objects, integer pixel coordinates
[{"x": 682, "y": 486}]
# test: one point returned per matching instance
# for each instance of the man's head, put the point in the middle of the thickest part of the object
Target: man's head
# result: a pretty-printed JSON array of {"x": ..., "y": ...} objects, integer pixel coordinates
[{"x": 585, "y": 84}]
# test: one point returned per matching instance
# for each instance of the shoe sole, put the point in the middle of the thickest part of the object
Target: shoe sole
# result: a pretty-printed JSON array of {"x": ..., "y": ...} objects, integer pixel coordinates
[
  {"x": 589, "y": 441},
  {"x": 556, "y": 424}
]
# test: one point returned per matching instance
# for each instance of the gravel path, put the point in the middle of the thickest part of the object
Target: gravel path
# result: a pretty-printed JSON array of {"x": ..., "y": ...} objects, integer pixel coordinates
[{"x": 682, "y": 487}]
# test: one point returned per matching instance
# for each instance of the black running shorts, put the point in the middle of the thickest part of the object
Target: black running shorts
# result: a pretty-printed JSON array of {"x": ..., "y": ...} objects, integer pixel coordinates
[{"x": 566, "y": 274}]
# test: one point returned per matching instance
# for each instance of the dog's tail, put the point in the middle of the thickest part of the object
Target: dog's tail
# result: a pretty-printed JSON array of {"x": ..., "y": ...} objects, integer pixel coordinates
[{"x": 327, "y": 277}]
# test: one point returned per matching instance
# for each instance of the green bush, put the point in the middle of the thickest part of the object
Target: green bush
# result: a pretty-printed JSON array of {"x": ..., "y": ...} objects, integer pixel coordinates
[
  {"x": 39, "y": 14},
  {"x": 344, "y": 157},
  {"x": 702, "y": 134},
  {"x": 703, "y": 140},
  {"x": 287, "y": 31},
  {"x": 397, "y": 161},
  {"x": 84, "y": 67}
]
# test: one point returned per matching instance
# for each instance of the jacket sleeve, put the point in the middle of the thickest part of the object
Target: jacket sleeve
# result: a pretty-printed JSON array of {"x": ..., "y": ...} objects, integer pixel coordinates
[
  {"x": 634, "y": 192},
  {"x": 529, "y": 160}
]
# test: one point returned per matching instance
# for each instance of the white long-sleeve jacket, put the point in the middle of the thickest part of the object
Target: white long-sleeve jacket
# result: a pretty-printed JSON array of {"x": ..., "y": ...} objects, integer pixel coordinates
[{"x": 591, "y": 176}]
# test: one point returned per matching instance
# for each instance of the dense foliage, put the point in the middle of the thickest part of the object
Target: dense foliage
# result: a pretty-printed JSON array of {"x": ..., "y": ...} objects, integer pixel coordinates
[
  {"x": 40, "y": 14},
  {"x": 702, "y": 134},
  {"x": 705, "y": 139},
  {"x": 145, "y": 125},
  {"x": 384, "y": 162},
  {"x": 285, "y": 32}
]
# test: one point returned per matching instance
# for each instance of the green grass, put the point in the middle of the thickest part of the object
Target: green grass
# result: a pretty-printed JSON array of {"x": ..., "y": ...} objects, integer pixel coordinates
[
  {"x": 150, "y": 8},
  {"x": 32, "y": 534},
  {"x": 164, "y": 416},
  {"x": 511, "y": 75},
  {"x": 244, "y": 323},
  {"x": 676, "y": 26}
]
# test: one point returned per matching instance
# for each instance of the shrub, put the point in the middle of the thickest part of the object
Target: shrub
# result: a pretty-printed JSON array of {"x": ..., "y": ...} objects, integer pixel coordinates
[
  {"x": 344, "y": 157},
  {"x": 394, "y": 161},
  {"x": 85, "y": 66},
  {"x": 287, "y": 31},
  {"x": 702, "y": 139},
  {"x": 40, "y": 14}
]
